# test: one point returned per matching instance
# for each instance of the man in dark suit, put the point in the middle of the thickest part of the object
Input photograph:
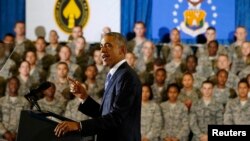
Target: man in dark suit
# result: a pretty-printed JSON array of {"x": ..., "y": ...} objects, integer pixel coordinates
[{"x": 118, "y": 116}]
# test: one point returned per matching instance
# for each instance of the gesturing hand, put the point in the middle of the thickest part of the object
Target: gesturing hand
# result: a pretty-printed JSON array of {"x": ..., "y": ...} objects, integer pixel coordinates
[
  {"x": 77, "y": 89},
  {"x": 66, "y": 126}
]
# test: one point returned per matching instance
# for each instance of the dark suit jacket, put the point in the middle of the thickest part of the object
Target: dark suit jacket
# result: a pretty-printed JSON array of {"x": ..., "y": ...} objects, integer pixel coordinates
[{"x": 118, "y": 117}]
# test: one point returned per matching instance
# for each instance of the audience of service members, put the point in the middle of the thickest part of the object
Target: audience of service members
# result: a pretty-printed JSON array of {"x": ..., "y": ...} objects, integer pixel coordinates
[{"x": 184, "y": 88}]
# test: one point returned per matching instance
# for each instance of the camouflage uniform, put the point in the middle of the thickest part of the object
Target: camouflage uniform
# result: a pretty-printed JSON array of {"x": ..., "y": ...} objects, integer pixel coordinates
[
  {"x": 38, "y": 74},
  {"x": 174, "y": 72},
  {"x": 20, "y": 49},
  {"x": 46, "y": 61},
  {"x": 9, "y": 69},
  {"x": 151, "y": 121},
  {"x": 198, "y": 79},
  {"x": 159, "y": 93},
  {"x": 62, "y": 94},
  {"x": 72, "y": 112},
  {"x": 236, "y": 113},
  {"x": 243, "y": 73},
  {"x": 142, "y": 65},
  {"x": 101, "y": 76},
  {"x": 167, "y": 49},
  {"x": 95, "y": 91},
  {"x": 54, "y": 106},
  {"x": 175, "y": 121},
  {"x": 239, "y": 64},
  {"x": 10, "y": 111},
  {"x": 25, "y": 87},
  {"x": 223, "y": 95},
  {"x": 203, "y": 50},
  {"x": 53, "y": 51},
  {"x": 206, "y": 66},
  {"x": 74, "y": 71},
  {"x": 194, "y": 95},
  {"x": 135, "y": 48},
  {"x": 234, "y": 51},
  {"x": 201, "y": 116}
]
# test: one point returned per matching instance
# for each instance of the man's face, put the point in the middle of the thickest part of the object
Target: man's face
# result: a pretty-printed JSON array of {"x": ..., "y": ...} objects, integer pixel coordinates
[
  {"x": 210, "y": 35},
  {"x": 207, "y": 90},
  {"x": 77, "y": 32},
  {"x": 9, "y": 40},
  {"x": 111, "y": 52},
  {"x": 50, "y": 92},
  {"x": 191, "y": 64},
  {"x": 13, "y": 86},
  {"x": 177, "y": 52},
  {"x": 62, "y": 71},
  {"x": 243, "y": 90},
  {"x": 160, "y": 77},
  {"x": 40, "y": 45},
  {"x": 245, "y": 49},
  {"x": 212, "y": 49},
  {"x": 31, "y": 58},
  {"x": 20, "y": 29},
  {"x": 175, "y": 36},
  {"x": 53, "y": 37},
  {"x": 139, "y": 30},
  {"x": 240, "y": 34},
  {"x": 222, "y": 78},
  {"x": 148, "y": 49},
  {"x": 223, "y": 62},
  {"x": 64, "y": 54}
]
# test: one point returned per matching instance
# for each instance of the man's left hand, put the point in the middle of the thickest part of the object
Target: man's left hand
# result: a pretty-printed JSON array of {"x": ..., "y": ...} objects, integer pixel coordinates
[{"x": 66, "y": 126}]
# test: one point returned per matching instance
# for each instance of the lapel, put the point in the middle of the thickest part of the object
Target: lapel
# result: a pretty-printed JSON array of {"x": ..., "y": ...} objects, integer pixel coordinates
[{"x": 111, "y": 83}]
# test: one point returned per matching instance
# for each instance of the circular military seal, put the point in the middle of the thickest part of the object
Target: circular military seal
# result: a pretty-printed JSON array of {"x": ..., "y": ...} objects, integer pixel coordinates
[{"x": 70, "y": 13}]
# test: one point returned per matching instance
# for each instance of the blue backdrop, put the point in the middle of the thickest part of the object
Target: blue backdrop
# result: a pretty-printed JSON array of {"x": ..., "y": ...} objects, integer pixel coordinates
[{"x": 12, "y": 11}]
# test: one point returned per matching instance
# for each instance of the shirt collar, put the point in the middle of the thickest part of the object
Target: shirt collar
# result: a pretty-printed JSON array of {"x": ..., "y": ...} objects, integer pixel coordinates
[{"x": 116, "y": 66}]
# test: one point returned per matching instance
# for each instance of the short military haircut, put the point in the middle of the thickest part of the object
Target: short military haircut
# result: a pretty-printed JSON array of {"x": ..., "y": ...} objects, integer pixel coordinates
[
  {"x": 119, "y": 38},
  {"x": 207, "y": 82},
  {"x": 174, "y": 85},
  {"x": 214, "y": 41},
  {"x": 243, "y": 80},
  {"x": 14, "y": 78},
  {"x": 211, "y": 28},
  {"x": 62, "y": 63},
  {"x": 140, "y": 22},
  {"x": 220, "y": 71},
  {"x": 192, "y": 56}
]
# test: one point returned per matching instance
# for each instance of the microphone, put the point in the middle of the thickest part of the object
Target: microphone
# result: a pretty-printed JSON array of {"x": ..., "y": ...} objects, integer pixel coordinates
[{"x": 32, "y": 97}]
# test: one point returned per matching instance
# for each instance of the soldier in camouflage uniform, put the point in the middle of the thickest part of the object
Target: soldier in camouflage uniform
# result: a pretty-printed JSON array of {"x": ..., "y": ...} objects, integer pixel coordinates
[
  {"x": 77, "y": 31},
  {"x": 166, "y": 50},
  {"x": 222, "y": 94},
  {"x": 203, "y": 112},
  {"x": 147, "y": 57},
  {"x": 210, "y": 36},
  {"x": 54, "y": 46},
  {"x": 238, "y": 109},
  {"x": 243, "y": 73},
  {"x": 235, "y": 48},
  {"x": 135, "y": 45},
  {"x": 188, "y": 94},
  {"x": 175, "y": 117},
  {"x": 151, "y": 117},
  {"x": 21, "y": 43},
  {"x": 50, "y": 103},
  {"x": 94, "y": 90},
  {"x": 174, "y": 67},
  {"x": 223, "y": 62},
  {"x": 242, "y": 61},
  {"x": 36, "y": 72},
  {"x": 27, "y": 82},
  {"x": 61, "y": 82},
  {"x": 10, "y": 109},
  {"x": 159, "y": 86},
  {"x": 102, "y": 70},
  {"x": 9, "y": 69},
  {"x": 74, "y": 69},
  {"x": 44, "y": 60}
]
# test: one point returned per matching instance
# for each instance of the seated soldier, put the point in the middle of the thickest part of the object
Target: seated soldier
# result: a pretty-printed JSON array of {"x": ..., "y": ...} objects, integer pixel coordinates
[
  {"x": 11, "y": 106},
  {"x": 49, "y": 102},
  {"x": 238, "y": 109}
]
